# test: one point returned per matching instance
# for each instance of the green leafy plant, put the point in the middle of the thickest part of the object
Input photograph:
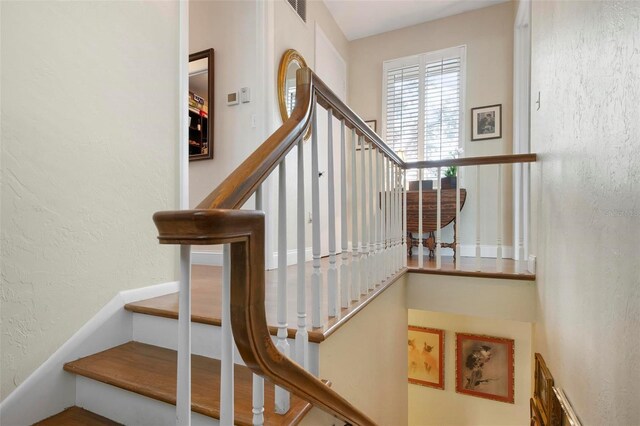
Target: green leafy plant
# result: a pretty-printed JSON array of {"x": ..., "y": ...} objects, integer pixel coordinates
[{"x": 452, "y": 171}]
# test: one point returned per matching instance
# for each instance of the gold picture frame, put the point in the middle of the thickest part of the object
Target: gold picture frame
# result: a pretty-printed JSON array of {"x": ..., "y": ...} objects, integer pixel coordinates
[
  {"x": 426, "y": 356},
  {"x": 543, "y": 382}
]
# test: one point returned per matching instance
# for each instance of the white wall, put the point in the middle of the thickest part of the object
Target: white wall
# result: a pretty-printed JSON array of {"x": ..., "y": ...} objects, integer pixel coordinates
[
  {"x": 586, "y": 189},
  {"x": 429, "y": 406},
  {"x": 488, "y": 35},
  {"x": 89, "y": 153}
]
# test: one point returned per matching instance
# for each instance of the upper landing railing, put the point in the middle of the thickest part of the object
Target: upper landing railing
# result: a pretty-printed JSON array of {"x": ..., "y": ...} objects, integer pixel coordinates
[{"x": 366, "y": 245}]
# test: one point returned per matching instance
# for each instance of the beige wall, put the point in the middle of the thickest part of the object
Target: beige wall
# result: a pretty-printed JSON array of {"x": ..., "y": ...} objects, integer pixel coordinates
[
  {"x": 488, "y": 35},
  {"x": 586, "y": 203},
  {"x": 89, "y": 132},
  {"x": 366, "y": 358},
  {"x": 229, "y": 27},
  {"x": 429, "y": 406}
]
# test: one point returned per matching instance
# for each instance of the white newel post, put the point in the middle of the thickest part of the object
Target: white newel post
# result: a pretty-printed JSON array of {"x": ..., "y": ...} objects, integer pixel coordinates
[
  {"x": 302, "y": 337},
  {"x": 282, "y": 400},
  {"x": 355, "y": 256},
  {"x": 344, "y": 235},
  {"x": 387, "y": 207},
  {"x": 378, "y": 204},
  {"x": 332, "y": 274},
  {"x": 316, "y": 275},
  {"x": 183, "y": 402},
  {"x": 404, "y": 218}
]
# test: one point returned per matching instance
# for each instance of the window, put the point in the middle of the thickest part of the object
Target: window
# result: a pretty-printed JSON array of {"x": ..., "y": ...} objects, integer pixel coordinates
[
  {"x": 423, "y": 105},
  {"x": 300, "y": 6}
]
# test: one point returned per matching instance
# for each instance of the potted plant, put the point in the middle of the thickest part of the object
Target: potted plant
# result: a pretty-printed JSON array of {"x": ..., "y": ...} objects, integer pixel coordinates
[{"x": 450, "y": 179}]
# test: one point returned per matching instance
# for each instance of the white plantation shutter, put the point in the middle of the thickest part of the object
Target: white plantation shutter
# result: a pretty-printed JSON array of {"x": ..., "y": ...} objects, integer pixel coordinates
[
  {"x": 402, "y": 111},
  {"x": 423, "y": 106}
]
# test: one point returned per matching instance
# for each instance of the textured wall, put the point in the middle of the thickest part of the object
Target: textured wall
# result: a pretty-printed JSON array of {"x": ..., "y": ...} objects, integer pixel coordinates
[
  {"x": 586, "y": 66},
  {"x": 89, "y": 131}
]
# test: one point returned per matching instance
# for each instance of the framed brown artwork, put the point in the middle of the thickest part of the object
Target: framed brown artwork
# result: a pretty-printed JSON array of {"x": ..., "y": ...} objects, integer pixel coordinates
[
  {"x": 426, "y": 356},
  {"x": 534, "y": 414},
  {"x": 485, "y": 366},
  {"x": 486, "y": 122},
  {"x": 543, "y": 382},
  {"x": 561, "y": 411}
]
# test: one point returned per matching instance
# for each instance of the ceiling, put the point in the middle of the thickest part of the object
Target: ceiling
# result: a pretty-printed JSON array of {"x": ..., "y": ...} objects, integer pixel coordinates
[{"x": 363, "y": 18}]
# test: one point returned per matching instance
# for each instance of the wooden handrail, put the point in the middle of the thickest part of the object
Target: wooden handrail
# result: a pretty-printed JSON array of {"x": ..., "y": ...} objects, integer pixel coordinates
[
  {"x": 473, "y": 161},
  {"x": 218, "y": 220}
]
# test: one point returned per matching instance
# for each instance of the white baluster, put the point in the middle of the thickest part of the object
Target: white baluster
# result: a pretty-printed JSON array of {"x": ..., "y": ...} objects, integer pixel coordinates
[
  {"x": 379, "y": 203},
  {"x": 420, "y": 226},
  {"x": 226, "y": 365},
  {"x": 439, "y": 223},
  {"x": 282, "y": 400},
  {"x": 499, "y": 220},
  {"x": 355, "y": 255},
  {"x": 258, "y": 382},
  {"x": 183, "y": 403},
  {"x": 258, "y": 400},
  {"x": 478, "y": 218},
  {"x": 344, "y": 267},
  {"x": 316, "y": 275},
  {"x": 332, "y": 274},
  {"x": 302, "y": 337},
  {"x": 372, "y": 228},
  {"x": 456, "y": 230},
  {"x": 526, "y": 212},
  {"x": 364, "y": 247},
  {"x": 387, "y": 196},
  {"x": 399, "y": 218},
  {"x": 394, "y": 252},
  {"x": 404, "y": 218}
]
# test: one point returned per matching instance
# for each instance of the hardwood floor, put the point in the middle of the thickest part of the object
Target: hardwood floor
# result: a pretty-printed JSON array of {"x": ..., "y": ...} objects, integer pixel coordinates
[
  {"x": 76, "y": 416},
  {"x": 206, "y": 296},
  {"x": 511, "y": 269}
]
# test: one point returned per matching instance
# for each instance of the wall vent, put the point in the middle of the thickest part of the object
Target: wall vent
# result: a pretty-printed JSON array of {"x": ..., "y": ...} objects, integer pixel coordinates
[{"x": 300, "y": 6}]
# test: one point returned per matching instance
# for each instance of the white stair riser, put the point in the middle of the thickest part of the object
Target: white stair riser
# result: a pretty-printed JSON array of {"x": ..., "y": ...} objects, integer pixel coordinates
[
  {"x": 205, "y": 339},
  {"x": 129, "y": 408}
]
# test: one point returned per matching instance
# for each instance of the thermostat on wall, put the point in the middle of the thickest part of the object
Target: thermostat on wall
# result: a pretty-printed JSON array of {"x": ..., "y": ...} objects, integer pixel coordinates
[{"x": 233, "y": 98}]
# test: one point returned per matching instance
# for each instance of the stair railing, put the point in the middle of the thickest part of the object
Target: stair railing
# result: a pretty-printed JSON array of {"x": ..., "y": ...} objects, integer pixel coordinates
[
  {"x": 371, "y": 193},
  {"x": 488, "y": 173}
]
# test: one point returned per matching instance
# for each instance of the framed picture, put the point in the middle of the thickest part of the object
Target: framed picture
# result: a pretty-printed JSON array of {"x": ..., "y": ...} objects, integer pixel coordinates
[
  {"x": 534, "y": 414},
  {"x": 426, "y": 356},
  {"x": 372, "y": 125},
  {"x": 486, "y": 122},
  {"x": 562, "y": 413},
  {"x": 484, "y": 367},
  {"x": 542, "y": 387}
]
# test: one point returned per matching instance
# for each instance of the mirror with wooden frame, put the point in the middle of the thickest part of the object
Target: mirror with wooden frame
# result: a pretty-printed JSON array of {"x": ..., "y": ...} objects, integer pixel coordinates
[
  {"x": 201, "y": 105},
  {"x": 290, "y": 63}
]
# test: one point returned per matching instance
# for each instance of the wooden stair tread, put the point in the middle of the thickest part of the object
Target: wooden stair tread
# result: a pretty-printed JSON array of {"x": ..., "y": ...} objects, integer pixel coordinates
[
  {"x": 151, "y": 371},
  {"x": 206, "y": 297},
  {"x": 76, "y": 416}
]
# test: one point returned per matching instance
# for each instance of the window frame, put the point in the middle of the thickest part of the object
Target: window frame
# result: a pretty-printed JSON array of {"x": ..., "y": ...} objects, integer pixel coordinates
[{"x": 422, "y": 60}]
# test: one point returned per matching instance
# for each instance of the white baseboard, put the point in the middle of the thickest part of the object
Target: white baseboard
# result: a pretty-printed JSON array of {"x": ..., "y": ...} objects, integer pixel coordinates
[
  {"x": 292, "y": 256},
  {"x": 486, "y": 250},
  {"x": 210, "y": 258},
  {"x": 49, "y": 390}
]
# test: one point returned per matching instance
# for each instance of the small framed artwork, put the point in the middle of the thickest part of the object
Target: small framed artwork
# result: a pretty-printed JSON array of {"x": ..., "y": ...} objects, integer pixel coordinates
[
  {"x": 542, "y": 387},
  {"x": 372, "y": 125},
  {"x": 484, "y": 367},
  {"x": 562, "y": 413},
  {"x": 426, "y": 356},
  {"x": 486, "y": 122}
]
